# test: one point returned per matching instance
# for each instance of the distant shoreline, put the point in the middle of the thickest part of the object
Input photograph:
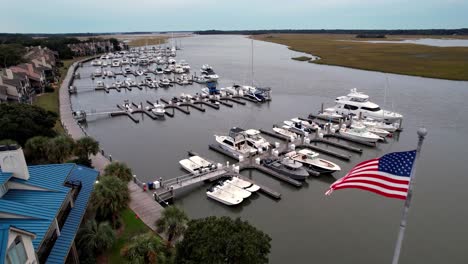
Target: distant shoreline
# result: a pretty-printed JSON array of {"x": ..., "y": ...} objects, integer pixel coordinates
[{"x": 447, "y": 63}]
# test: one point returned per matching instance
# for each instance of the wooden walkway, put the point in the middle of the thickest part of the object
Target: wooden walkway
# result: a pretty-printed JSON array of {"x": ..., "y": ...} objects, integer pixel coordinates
[{"x": 142, "y": 203}]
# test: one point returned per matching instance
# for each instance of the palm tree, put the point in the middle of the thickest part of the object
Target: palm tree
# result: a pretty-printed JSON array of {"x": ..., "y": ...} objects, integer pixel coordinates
[
  {"x": 60, "y": 148},
  {"x": 173, "y": 222},
  {"x": 110, "y": 197},
  {"x": 119, "y": 170},
  {"x": 86, "y": 146},
  {"x": 145, "y": 248},
  {"x": 36, "y": 149},
  {"x": 96, "y": 238}
]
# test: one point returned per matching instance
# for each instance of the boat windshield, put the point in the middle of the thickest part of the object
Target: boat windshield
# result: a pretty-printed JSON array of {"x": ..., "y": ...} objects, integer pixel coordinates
[{"x": 371, "y": 109}]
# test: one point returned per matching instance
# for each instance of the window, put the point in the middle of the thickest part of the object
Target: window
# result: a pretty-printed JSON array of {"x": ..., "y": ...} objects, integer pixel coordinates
[
  {"x": 351, "y": 107},
  {"x": 3, "y": 190},
  {"x": 227, "y": 142},
  {"x": 17, "y": 253},
  {"x": 371, "y": 109}
]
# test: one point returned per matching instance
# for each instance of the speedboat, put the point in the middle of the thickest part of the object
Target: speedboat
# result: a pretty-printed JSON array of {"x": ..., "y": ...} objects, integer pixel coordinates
[
  {"x": 164, "y": 82},
  {"x": 236, "y": 145},
  {"x": 190, "y": 166},
  {"x": 185, "y": 65},
  {"x": 100, "y": 84},
  {"x": 355, "y": 103},
  {"x": 118, "y": 84},
  {"x": 139, "y": 72},
  {"x": 255, "y": 140},
  {"x": 285, "y": 132},
  {"x": 330, "y": 114},
  {"x": 115, "y": 63},
  {"x": 216, "y": 193},
  {"x": 110, "y": 74},
  {"x": 297, "y": 125},
  {"x": 379, "y": 132},
  {"x": 97, "y": 72},
  {"x": 96, "y": 63},
  {"x": 127, "y": 70},
  {"x": 104, "y": 63},
  {"x": 125, "y": 61},
  {"x": 203, "y": 163},
  {"x": 311, "y": 160},
  {"x": 288, "y": 167},
  {"x": 158, "y": 109},
  {"x": 133, "y": 61},
  {"x": 369, "y": 122},
  {"x": 252, "y": 92},
  {"x": 178, "y": 69},
  {"x": 231, "y": 188},
  {"x": 159, "y": 70},
  {"x": 360, "y": 133},
  {"x": 243, "y": 184}
]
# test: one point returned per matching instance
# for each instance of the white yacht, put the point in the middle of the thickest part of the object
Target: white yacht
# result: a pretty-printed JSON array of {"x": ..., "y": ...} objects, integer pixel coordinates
[
  {"x": 311, "y": 160},
  {"x": 216, "y": 193},
  {"x": 190, "y": 166},
  {"x": 231, "y": 188},
  {"x": 284, "y": 130},
  {"x": 237, "y": 145},
  {"x": 356, "y": 102},
  {"x": 255, "y": 140},
  {"x": 243, "y": 184},
  {"x": 360, "y": 133}
]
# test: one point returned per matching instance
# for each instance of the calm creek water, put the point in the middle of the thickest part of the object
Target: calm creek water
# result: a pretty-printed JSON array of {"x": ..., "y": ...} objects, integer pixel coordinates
[{"x": 351, "y": 226}]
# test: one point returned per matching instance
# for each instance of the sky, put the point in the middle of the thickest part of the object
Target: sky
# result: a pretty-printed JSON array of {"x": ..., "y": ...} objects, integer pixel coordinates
[{"x": 66, "y": 16}]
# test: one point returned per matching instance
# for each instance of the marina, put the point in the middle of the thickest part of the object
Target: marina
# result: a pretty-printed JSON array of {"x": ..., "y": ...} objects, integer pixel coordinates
[{"x": 153, "y": 148}]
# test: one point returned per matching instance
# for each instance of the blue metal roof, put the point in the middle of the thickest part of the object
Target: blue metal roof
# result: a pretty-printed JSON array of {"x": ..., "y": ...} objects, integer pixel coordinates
[
  {"x": 35, "y": 210},
  {"x": 5, "y": 176},
  {"x": 62, "y": 246},
  {"x": 50, "y": 177},
  {"x": 4, "y": 233}
]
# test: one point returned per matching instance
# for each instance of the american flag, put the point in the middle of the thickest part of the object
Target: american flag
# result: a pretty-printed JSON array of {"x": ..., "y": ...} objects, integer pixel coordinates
[{"x": 388, "y": 175}]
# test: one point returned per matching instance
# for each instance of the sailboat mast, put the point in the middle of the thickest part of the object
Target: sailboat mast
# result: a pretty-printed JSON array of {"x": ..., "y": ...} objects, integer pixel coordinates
[{"x": 252, "y": 62}]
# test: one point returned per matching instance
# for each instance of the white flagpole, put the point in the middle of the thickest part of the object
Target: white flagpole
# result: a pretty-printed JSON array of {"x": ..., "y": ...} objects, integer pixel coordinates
[{"x": 422, "y": 132}]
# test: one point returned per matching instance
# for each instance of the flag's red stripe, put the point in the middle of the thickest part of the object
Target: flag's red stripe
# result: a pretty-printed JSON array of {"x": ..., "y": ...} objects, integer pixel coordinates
[
  {"x": 396, "y": 196},
  {"x": 366, "y": 161},
  {"x": 364, "y": 164},
  {"x": 385, "y": 178},
  {"x": 379, "y": 184}
]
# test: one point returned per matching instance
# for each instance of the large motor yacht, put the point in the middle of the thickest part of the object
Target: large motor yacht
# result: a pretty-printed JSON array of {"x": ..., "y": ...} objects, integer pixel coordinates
[{"x": 356, "y": 102}]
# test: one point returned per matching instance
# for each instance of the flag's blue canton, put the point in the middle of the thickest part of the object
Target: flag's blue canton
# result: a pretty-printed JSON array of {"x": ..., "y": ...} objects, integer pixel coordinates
[{"x": 398, "y": 163}]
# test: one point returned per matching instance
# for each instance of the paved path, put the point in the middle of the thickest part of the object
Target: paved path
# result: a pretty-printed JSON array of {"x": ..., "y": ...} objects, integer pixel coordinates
[{"x": 142, "y": 203}]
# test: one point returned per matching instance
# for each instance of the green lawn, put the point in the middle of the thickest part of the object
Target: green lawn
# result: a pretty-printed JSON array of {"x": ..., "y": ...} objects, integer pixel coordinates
[
  {"x": 131, "y": 226},
  {"x": 50, "y": 101}
]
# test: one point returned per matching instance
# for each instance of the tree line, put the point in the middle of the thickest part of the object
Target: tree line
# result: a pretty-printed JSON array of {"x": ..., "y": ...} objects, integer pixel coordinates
[
  {"x": 461, "y": 31},
  {"x": 12, "y": 46}
]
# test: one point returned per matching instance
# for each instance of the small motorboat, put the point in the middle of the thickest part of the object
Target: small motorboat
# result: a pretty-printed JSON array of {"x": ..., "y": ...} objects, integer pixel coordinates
[
  {"x": 139, "y": 72},
  {"x": 369, "y": 122},
  {"x": 96, "y": 63},
  {"x": 288, "y": 167},
  {"x": 97, "y": 72},
  {"x": 284, "y": 130},
  {"x": 360, "y": 133},
  {"x": 203, "y": 163},
  {"x": 243, "y": 184},
  {"x": 127, "y": 70},
  {"x": 164, "y": 82},
  {"x": 159, "y": 70},
  {"x": 216, "y": 193},
  {"x": 231, "y": 188},
  {"x": 330, "y": 114},
  {"x": 100, "y": 84},
  {"x": 125, "y": 61},
  {"x": 110, "y": 74},
  {"x": 115, "y": 63},
  {"x": 312, "y": 161},
  {"x": 297, "y": 125},
  {"x": 158, "y": 110},
  {"x": 190, "y": 166},
  {"x": 379, "y": 132}
]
